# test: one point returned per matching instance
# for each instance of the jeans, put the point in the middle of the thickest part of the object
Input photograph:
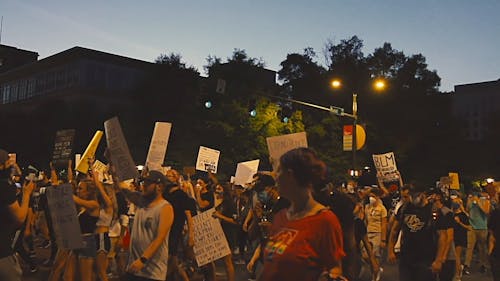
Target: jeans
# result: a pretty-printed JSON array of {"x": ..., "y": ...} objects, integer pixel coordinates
[
  {"x": 10, "y": 270},
  {"x": 479, "y": 238}
]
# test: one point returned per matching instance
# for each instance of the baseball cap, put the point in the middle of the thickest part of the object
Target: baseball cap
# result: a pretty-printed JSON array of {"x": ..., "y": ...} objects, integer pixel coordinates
[
  {"x": 158, "y": 177},
  {"x": 4, "y": 156}
]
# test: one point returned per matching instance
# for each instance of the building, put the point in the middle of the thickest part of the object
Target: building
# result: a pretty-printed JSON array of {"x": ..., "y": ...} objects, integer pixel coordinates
[
  {"x": 473, "y": 105},
  {"x": 75, "y": 72},
  {"x": 11, "y": 57}
]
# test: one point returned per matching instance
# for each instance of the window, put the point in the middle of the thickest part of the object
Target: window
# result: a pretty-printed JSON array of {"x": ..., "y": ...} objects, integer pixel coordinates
[
  {"x": 6, "y": 94},
  {"x": 22, "y": 89}
]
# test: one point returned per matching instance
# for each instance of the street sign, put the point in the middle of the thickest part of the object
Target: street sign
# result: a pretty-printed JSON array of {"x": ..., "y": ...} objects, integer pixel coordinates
[{"x": 360, "y": 137}]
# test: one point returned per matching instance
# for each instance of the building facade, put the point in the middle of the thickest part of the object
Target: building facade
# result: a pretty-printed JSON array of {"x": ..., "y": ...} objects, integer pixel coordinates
[{"x": 473, "y": 105}]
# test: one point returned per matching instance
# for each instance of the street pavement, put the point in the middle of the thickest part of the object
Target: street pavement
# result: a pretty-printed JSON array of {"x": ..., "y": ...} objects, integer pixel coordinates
[{"x": 390, "y": 272}]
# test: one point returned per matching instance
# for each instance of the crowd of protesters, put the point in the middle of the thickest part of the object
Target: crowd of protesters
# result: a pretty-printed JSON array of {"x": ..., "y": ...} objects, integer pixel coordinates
[{"x": 290, "y": 224}]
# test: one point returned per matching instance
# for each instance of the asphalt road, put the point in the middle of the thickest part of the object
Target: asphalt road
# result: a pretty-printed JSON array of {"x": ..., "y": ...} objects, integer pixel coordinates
[{"x": 390, "y": 272}]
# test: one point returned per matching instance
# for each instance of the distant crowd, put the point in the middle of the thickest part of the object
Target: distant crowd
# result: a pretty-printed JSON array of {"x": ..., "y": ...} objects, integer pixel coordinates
[{"x": 288, "y": 224}]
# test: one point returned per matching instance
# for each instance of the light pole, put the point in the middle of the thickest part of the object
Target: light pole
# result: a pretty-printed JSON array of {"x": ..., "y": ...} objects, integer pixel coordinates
[{"x": 378, "y": 85}]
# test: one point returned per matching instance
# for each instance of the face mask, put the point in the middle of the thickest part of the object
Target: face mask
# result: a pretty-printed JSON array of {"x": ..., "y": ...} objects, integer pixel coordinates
[
  {"x": 455, "y": 206},
  {"x": 373, "y": 200},
  {"x": 417, "y": 200}
]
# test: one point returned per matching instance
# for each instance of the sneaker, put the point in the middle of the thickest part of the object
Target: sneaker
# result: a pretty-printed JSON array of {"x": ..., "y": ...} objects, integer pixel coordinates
[
  {"x": 33, "y": 268},
  {"x": 483, "y": 269},
  {"x": 379, "y": 274},
  {"x": 466, "y": 270}
]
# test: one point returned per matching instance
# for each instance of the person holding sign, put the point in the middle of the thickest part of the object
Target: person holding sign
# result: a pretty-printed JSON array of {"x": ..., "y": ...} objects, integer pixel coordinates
[
  {"x": 86, "y": 200},
  {"x": 152, "y": 222},
  {"x": 13, "y": 216},
  {"x": 305, "y": 240}
]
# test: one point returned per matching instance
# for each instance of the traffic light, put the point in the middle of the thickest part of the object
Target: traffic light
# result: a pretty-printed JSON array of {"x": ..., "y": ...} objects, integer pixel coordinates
[
  {"x": 285, "y": 113},
  {"x": 252, "y": 107}
]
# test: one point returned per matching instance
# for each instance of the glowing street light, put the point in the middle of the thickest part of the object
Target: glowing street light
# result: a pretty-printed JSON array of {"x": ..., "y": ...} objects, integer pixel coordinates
[{"x": 336, "y": 83}]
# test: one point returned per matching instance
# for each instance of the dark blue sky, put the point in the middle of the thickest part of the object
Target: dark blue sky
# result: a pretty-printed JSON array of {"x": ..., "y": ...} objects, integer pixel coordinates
[{"x": 459, "y": 38}]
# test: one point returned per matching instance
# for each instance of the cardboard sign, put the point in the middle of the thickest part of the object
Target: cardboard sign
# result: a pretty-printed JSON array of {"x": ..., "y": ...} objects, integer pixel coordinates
[
  {"x": 386, "y": 165},
  {"x": 64, "y": 216},
  {"x": 279, "y": 145},
  {"x": 101, "y": 170},
  {"x": 208, "y": 159},
  {"x": 63, "y": 146},
  {"x": 118, "y": 148},
  {"x": 245, "y": 171},
  {"x": 83, "y": 165},
  {"x": 158, "y": 146},
  {"x": 455, "y": 183},
  {"x": 210, "y": 243}
]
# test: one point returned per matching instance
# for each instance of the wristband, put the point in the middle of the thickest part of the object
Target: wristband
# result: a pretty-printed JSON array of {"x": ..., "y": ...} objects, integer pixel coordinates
[{"x": 143, "y": 259}]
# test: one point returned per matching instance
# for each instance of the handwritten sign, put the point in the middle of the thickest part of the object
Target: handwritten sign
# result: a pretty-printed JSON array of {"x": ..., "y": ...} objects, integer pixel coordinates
[
  {"x": 245, "y": 171},
  {"x": 210, "y": 243},
  {"x": 208, "y": 159},
  {"x": 83, "y": 165},
  {"x": 64, "y": 217},
  {"x": 386, "y": 165},
  {"x": 120, "y": 155},
  {"x": 158, "y": 146},
  {"x": 455, "y": 183},
  {"x": 101, "y": 169},
  {"x": 279, "y": 145},
  {"x": 63, "y": 146}
]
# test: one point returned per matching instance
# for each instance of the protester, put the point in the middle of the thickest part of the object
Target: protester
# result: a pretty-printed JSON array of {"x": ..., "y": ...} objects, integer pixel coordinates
[
  {"x": 14, "y": 215},
  {"x": 493, "y": 245},
  {"x": 306, "y": 227},
  {"x": 106, "y": 214},
  {"x": 460, "y": 229},
  {"x": 445, "y": 262},
  {"x": 376, "y": 223},
  {"x": 478, "y": 207},
  {"x": 88, "y": 215},
  {"x": 183, "y": 207},
  {"x": 152, "y": 222}
]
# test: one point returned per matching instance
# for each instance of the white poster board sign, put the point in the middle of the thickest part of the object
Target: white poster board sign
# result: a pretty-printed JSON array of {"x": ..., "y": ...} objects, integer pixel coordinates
[
  {"x": 386, "y": 165},
  {"x": 245, "y": 171},
  {"x": 208, "y": 159},
  {"x": 279, "y": 145},
  {"x": 210, "y": 243},
  {"x": 64, "y": 218},
  {"x": 158, "y": 146}
]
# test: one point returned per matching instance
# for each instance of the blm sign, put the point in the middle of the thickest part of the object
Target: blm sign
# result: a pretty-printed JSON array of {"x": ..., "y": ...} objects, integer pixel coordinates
[{"x": 63, "y": 146}]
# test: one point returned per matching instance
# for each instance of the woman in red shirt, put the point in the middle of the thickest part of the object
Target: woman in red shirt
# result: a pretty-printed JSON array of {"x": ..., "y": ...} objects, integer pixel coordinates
[{"x": 305, "y": 240}]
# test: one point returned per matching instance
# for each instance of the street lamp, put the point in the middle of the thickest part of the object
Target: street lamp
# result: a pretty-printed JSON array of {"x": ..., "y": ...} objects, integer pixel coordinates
[{"x": 379, "y": 85}]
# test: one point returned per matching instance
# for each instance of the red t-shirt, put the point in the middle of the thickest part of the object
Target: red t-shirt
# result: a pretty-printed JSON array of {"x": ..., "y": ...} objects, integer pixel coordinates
[{"x": 302, "y": 249}]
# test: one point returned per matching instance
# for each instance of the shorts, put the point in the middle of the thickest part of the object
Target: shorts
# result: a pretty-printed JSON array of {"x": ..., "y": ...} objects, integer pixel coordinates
[
  {"x": 103, "y": 243},
  {"x": 89, "y": 247}
]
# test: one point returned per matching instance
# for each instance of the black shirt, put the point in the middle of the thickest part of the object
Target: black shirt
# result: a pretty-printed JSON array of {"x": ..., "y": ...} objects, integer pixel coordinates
[
  {"x": 7, "y": 230},
  {"x": 417, "y": 243},
  {"x": 180, "y": 203},
  {"x": 207, "y": 196}
]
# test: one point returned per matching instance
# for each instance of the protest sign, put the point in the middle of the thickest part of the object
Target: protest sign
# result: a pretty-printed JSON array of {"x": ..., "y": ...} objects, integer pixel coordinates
[
  {"x": 158, "y": 146},
  {"x": 63, "y": 146},
  {"x": 189, "y": 170},
  {"x": 83, "y": 165},
  {"x": 455, "y": 183},
  {"x": 245, "y": 171},
  {"x": 208, "y": 159},
  {"x": 78, "y": 157},
  {"x": 210, "y": 243},
  {"x": 279, "y": 145},
  {"x": 118, "y": 148},
  {"x": 101, "y": 169},
  {"x": 64, "y": 216},
  {"x": 386, "y": 166}
]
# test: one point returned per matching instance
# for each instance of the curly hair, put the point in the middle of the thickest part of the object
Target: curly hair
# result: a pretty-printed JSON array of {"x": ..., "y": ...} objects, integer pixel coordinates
[{"x": 305, "y": 164}]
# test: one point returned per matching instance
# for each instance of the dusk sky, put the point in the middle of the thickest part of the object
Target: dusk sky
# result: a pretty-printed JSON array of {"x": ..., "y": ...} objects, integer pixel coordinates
[{"x": 459, "y": 38}]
